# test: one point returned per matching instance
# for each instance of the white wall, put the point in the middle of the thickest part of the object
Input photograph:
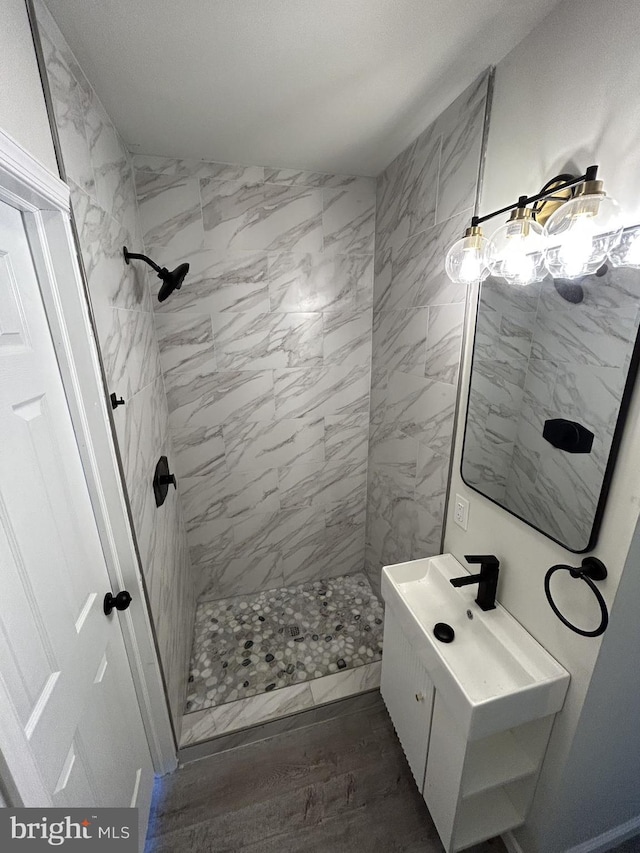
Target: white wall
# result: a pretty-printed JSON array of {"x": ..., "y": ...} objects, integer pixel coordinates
[
  {"x": 23, "y": 114},
  {"x": 567, "y": 94},
  {"x": 604, "y": 762}
]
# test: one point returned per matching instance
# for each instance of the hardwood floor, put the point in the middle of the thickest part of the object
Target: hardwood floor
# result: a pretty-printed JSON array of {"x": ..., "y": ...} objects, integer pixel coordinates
[{"x": 342, "y": 786}]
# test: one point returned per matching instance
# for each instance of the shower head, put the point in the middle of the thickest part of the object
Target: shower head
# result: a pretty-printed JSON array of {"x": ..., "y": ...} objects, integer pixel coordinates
[{"x": 170, "y": 280}]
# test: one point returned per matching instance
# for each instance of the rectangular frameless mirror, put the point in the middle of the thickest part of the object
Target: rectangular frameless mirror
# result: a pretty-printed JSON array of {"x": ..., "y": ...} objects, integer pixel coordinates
[{"x": 552, "y": 372}]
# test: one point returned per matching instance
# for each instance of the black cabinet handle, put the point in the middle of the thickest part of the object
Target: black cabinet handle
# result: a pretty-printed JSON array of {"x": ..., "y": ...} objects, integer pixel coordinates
[{"x": 116, "y": 401}]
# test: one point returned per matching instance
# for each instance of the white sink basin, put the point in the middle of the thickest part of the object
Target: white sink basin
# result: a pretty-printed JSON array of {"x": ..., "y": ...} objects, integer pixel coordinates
[{"x": 494, "y": 675}]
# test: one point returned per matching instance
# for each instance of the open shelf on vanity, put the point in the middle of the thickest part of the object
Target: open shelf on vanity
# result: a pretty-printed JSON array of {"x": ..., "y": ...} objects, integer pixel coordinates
[
  {"x": 485, "y": 815},
  {"x": 504, "y": 757}
]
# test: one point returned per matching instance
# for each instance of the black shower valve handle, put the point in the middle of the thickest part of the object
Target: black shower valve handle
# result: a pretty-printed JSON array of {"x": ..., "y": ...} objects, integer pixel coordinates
[{"x": 162, "y": 479}]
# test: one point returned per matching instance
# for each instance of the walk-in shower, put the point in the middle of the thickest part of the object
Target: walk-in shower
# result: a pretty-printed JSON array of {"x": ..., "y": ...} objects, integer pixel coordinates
[{"x": 305, "y": 416}]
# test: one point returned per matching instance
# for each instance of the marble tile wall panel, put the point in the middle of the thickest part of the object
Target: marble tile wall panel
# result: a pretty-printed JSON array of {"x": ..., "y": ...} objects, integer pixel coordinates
[
  {"x": 346, "y": 337},
  {"x": 321, "y": 484},
  {"x": 268, "y": 217},
  {"x": 199, "y": 451},
  {"x": 418, "y": 274},
  {"x": 297, "y": 177},
  {"x": 236, "y": 282},
  {"x": 208, "y": 397},
  {"x": 321, "y": 391},
  {"x": 186, "y": 342},
  {"x": 320, "y": 555},
  {"x": 231, "y": 496},
  {"x": 407, "y": 192},
  {"x": 346, "y": 437},
  {"x": 400, "y": 340},
  {"x": 274, "y": 443},
  {"x": 171, "y": 219},
  {"x": 71, "y": 94},
  {"x": 266, "y": 357},
  {"x": 444, "y": 341},
  {"x": 348, "y": 218},
  {"x": 270, "y": 340},
  {"x": 424, "y": 200},
  {"x": 151, "y": 170},
  {"x": 299, "y": 281},
  {"x": 461, "y": 128},
  {"x": 103, "y": 197},
  {"x": 350, "y": 511}
]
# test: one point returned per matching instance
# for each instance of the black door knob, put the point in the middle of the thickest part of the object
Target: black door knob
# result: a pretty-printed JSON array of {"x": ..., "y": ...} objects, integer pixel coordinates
[
  {"x": 167, "y": 480},
  {"x": 121, "y": 601}
]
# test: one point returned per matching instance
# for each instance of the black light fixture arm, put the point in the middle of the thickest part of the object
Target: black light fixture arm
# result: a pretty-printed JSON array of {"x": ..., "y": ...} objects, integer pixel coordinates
[
  {"x": 546, "y": 192},
  {"x": 128, "y": 255}
]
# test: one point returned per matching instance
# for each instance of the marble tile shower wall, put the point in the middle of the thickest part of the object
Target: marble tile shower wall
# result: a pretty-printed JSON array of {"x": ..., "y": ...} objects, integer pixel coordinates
[
  {"x": 266, "y": 354},
  {"x": 424, "y": 200},
  {"x": 100, "y": 176}
]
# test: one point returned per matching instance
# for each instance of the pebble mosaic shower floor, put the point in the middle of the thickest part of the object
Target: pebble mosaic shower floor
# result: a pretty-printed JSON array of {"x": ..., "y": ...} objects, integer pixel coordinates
[{"x": 252, "y": 644}]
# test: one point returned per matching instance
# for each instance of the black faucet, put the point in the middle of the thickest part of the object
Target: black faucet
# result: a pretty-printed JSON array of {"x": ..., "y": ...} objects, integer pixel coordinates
[{"x": 487, "y": 579}]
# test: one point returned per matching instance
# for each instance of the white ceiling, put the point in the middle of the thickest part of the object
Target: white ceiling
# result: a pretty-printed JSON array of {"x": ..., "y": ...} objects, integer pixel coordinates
[{"x": 329, "y": 85}]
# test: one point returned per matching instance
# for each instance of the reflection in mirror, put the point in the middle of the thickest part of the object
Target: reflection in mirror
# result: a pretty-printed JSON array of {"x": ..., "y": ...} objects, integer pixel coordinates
[{"x": 547, "y": 397}]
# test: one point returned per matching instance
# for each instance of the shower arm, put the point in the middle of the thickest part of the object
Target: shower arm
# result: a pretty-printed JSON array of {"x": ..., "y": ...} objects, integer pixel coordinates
[{"x": 128, "y": 255}]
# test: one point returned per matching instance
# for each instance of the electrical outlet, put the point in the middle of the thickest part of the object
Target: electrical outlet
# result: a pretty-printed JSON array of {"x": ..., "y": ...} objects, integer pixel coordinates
[{"x": 461, "y": 512}]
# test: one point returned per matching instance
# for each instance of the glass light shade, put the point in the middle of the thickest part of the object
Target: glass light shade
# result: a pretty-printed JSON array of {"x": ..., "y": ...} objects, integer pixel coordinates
[
  {"x": 580, "y": 234},
  {"x": 467, "y": 259},
  {"x": 627, "y": 252},
  {"x": 517, "y": 251}
]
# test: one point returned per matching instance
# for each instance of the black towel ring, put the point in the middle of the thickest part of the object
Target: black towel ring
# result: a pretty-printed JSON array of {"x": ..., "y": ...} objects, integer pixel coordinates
[{"x": 591, "y": 570}]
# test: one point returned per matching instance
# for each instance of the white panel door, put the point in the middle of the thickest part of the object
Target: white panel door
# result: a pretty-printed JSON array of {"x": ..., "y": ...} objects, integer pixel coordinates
[
  {"x": 408, "y": 694},
  {"x": 73, "y": 722}
]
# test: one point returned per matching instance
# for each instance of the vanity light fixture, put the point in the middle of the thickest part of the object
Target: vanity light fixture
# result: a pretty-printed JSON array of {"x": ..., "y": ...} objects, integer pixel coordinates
[
  {"x": 517, "y": 247},
  {"x": 583, "y": 230},
  {"x": 468, "y": 259}
]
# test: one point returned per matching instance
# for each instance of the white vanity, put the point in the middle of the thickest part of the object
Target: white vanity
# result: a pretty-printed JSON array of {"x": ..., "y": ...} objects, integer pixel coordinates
[{"x": 473, "y": 715}]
